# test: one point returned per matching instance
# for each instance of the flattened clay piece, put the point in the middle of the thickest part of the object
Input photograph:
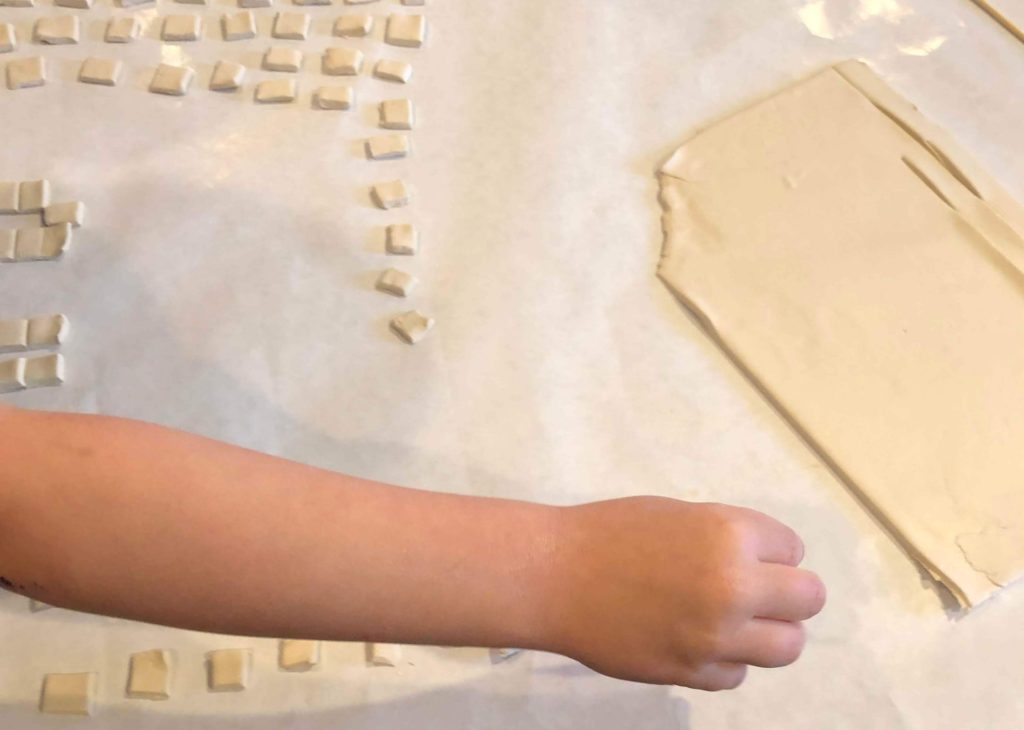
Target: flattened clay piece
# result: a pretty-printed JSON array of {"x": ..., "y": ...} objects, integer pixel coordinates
[
  {"x": 36, "y": 606},
  {"x": 414, "y": 2},
  {"x": 33, "y": 196},
  {"x": 411, "y": 326},
  {"x": 385, "y": 655},
  {"x": 8, "y": 38},
  {"x": 104, "y": 72},
  {"x": 279, "y": 58},
  {"x": 8, "y": 245},
  {"x": 181, "y": 28},
  {"x": 353, "y": 26},
  {"x": 171, "y": 80},
  {"x": 335, "y": 97},
  {"x": 56, "y": 240},
  {"x": 149, "y": 675},
  {"x": 865, "y": 273},
  {"x": 17, "y": 3},
  {"x": 19, "y": 335},
  {"x": 12, "y": 375},
  {"x": 312, "y": 2},
  {"x": 291, "y": 26},
  {"x": 68, "y": 694},
  {"x": 229, "y": 669},
  {"x": 30, "y": 243},
  {"x": 359, "y": 2},
  {"x": 191, "y": 2},
  {"x": 73, "y": 212},
  {"x": 297, "y": 655},
  {"x": 276, "y": 91},
  {"x": 25, "y": 73},
  {"x": 387, "y": 147},
  {"x": 133, "y": 3},
  {"x": 9, "y": 197},
  {"x": 124, "y": 29},
  {"x": 239, "y": 26},
  {"x": 46, "y": 371},
  {"x": 391, "y": 70},
  {"x": 392, "y": 194},
  {"x": 49, "y": 330},
  {"x": 227, "y": 76},
  {"x": 398, "y": 283},
  {"x": 402, "y": 239},
  {"x": 13, "y": 335},
  {"x": 77, "y": 4},
  {"x": 396, "y": 114},
  {"x": 57, "y": 31},
  {"x": 409, "y": 31},
  {"x": 342, "y": 61},
  {"x": 255, "y": 3}
]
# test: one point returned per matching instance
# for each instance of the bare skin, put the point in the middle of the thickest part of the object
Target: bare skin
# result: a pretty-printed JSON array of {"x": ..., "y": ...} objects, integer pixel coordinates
[{"x": 133, "y": 520}]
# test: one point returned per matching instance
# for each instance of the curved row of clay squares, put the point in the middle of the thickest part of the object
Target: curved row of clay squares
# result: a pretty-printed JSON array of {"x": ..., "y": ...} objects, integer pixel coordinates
[{"x": 408, "y": 31}]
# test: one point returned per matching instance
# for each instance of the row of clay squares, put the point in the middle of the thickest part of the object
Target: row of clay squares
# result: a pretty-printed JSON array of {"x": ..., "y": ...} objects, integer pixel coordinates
[
  {"x": 227, "y": 670},
  {"x": 406, "y": 31},
  {"x": 227, "y": 76},
  {"x": 46, "y": 239},
  {"x": 401, "y": 239},
  {"x": 175, "y": 80}
]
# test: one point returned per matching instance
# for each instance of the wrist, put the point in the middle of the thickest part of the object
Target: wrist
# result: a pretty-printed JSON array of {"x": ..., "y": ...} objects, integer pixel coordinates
[{"x": 547, "y": 593}]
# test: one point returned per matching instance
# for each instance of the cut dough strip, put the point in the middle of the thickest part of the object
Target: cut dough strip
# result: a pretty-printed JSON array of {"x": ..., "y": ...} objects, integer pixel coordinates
[
  {"x": 31, "y": 372},
  {"x": 20, "y": 335}
]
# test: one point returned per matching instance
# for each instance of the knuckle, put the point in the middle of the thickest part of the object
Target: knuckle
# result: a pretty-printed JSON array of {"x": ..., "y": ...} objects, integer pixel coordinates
[
  {"x": 727, "y": 678},
  {"x": 811, "y": 590},
  {"x": 788, "y": 645},
  {"x": 796, "y": 547}
]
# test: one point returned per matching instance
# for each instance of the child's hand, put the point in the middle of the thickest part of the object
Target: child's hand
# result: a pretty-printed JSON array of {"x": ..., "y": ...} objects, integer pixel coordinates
[{"x": 668, "y": 592}]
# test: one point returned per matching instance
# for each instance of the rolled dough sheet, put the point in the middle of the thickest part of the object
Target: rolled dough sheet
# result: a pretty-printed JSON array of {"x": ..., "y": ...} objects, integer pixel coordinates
[
  {"x": 867, "y": 277},
  {"x": 1009, "y": 13}
]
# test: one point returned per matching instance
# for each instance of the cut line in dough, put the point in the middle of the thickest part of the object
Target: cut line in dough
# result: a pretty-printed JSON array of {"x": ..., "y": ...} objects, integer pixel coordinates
[{"x": 867, "y": 276}]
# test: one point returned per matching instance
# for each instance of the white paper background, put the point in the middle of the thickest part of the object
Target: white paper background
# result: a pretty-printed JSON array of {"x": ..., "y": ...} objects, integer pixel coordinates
[{"x": 223, "y": 284}]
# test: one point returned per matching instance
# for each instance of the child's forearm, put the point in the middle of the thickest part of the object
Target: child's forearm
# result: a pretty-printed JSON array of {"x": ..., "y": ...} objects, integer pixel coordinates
[{"x": 128, "y": 519}]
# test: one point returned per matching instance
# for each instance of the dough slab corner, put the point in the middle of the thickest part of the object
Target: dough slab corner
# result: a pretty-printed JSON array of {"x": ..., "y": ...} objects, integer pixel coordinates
[{"x": 867, "y": 276}]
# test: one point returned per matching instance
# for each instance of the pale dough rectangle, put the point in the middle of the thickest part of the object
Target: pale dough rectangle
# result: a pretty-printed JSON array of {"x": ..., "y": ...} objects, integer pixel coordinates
[{"x": 867, "y": 277}]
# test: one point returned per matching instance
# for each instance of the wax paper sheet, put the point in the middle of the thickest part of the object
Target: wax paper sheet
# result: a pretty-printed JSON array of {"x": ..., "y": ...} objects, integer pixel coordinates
[{"x": 223, "y": 284}]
